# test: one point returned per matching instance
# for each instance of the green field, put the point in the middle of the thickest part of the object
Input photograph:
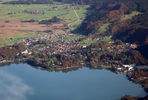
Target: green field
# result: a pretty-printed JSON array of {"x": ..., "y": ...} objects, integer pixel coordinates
[
  {"x": 81, "y": 13},
  {"x": 129, "y": 16},
  {"x": 89, "y": 41},
  {"x": 84, "y": 45},
  {"x": 5, "y": 9},
  {"x": 94, "y": 41},
  {"x": 68, "y": 38},
  {"x": 8, "y": 8},
  {"x": 107, "y": 39},
  {"x": 103, "y": 27},
  {"x": 16, "y": 38}
]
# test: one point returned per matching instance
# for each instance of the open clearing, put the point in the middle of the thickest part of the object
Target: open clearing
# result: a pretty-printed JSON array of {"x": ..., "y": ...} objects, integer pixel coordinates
[
  {"x": 129, "y": 16},
  {"x": 103, "y": 27},
  {"x": 107, "y": 38}
]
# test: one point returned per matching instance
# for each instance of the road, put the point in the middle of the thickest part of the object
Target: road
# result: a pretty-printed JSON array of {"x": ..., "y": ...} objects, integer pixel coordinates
[{"x": 77, "y": 17}]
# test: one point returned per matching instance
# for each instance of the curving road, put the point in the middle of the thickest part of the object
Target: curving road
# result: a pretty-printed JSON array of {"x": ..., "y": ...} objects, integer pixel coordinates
[{"x": 77, "y": 17}]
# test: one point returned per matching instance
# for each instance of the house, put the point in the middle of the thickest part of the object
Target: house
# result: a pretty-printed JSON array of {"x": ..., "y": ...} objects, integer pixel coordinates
[
  {"x": 17, "y": 54},
  {"x": 3, "y": 44},
  {"x": 26, "y": 51},
  {"x": 19, "y": 6},
  {"x": 11, "y": 39},
  {"x": 133, "y": 46},
  {"x": 29, "y": 52},
  {"x": 129, "y": 67},
  {"x": 84, "y": 47},
  {"x": 119, "y": 68}
]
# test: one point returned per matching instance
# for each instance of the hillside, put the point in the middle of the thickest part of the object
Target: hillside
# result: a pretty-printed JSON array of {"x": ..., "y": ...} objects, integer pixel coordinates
[
  {"x": 137, "y": 35},
  {"x": 143, "y": 50},
  {"x": 98, "y": 15},
  {"x": 123, "y": 20},
  {"x": 114, "y": 11}
]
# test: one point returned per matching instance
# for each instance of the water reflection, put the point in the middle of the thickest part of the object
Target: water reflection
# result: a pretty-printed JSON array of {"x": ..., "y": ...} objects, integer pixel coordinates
[
  {"x": 83, "y": 84},
  {"x": 12, "y": 87}
]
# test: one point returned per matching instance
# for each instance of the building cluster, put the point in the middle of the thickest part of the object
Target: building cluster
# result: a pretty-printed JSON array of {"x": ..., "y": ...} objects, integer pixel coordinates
[
  {"x": 35, "y": 11},
  {"x": 19, "y": 6},
  {"x": 32, "y": 40},
  {"x": 54, "y": 46},
  {"x": 60, "y": 43},
  {"x": 126, "y": 67},
  {"x": 126, "y": 47}
]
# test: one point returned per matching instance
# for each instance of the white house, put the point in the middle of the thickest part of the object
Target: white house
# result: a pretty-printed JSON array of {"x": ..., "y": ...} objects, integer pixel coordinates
[
  {"x": 84, "y": 47},
  {"x": 26, "y": 51},
  {"x": 129, "y": 67},
  {"x": 119, "y": 68},
  {"x": 30, "y": 53}
]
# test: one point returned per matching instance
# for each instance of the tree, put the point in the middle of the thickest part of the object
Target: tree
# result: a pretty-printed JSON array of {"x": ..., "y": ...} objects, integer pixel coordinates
[
  {"x": 65, "y": 65},
  {"x": 1, "y": 58},
  {"x": 67, "y": 11}
]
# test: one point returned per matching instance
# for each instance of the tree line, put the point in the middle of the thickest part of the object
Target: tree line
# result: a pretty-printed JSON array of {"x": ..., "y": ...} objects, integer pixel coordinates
[
  {"x": 30, "y": 2},
  {"x": 9, "y": 52}
]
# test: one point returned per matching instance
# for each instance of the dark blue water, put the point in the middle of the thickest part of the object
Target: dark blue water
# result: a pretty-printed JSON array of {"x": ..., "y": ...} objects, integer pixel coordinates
[{"x": 23, "y": 82}]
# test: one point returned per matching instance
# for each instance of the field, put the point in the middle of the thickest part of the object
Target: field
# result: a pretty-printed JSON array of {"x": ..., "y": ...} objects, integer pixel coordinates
[
  {"x": 15, "y": 29},
  {"x": 68, "y": 38},
  {"x": 103, "y": 27},
  {"x": 16, "y": 38},
  {"x": 5, "y": 9},
  {"x": 129, "y": 16},
  {"x": 107, "y": 39}
]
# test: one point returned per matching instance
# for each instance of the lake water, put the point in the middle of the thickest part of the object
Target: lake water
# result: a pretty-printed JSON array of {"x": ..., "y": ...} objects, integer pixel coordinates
[{"x": 23, "y": 82}]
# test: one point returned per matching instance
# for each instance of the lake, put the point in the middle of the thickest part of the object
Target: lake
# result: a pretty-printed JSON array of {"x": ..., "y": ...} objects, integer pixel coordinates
[{"x": 23, "y": 82}]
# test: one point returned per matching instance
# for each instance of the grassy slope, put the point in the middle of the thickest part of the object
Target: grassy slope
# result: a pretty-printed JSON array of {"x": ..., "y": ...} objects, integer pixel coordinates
[
  {"x": 16, "y": 38},
  {"x": 103, "y": 27},
  {"x": 129, "y": 16},
  {"x": 81, "y": 13},
  {"x": 107, "y": 39},
  {"x": 68, "y": 38}
]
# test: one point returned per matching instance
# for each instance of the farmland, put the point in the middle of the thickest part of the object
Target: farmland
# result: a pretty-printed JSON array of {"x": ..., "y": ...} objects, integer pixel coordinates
[{"x": 12, "y": 15}]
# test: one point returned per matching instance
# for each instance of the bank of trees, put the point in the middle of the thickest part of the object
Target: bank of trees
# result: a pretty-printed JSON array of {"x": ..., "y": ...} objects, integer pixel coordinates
[
  {"x": 109, "y": 11},
  {"x": 90, "y": 56},
  {"x": 50, "y": 21},
  {"x": 9, "y": 52},
  {"x": 30, "y": 2}
]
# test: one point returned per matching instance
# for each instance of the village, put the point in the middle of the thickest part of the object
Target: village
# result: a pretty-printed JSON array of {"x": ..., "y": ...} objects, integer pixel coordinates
[{"x": 54, "y": 43}]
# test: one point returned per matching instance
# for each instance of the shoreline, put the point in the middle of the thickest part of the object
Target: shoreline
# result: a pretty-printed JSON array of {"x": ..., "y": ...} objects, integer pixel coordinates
[{"x": 69, "y": 69}]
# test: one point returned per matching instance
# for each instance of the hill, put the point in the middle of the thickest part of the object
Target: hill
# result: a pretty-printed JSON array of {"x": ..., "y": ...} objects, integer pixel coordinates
[
  {"x": 114, "y": 11},
  {"x": 136, "y": 35}
]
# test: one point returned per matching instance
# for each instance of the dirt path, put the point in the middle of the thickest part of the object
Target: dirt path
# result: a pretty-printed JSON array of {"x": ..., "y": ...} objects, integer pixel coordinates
[{"x": 77, "y": 17}]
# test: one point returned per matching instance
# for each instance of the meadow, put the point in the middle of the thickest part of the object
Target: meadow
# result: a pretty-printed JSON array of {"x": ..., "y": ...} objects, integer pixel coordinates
[
  {"x": 103, "y": 27},
  {"x": 5, "y": 9},
  {"x": 14, "y": 12},
  {"x": 129, "y": 16},
  {"x": 16, "y": 38}
]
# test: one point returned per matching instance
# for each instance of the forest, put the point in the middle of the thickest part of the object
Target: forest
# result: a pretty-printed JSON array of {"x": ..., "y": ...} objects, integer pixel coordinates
[
  {"x": 9, "y": 52},
  {"x": 110, "y": 11},
  {"x": 50, "y": 21}
]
